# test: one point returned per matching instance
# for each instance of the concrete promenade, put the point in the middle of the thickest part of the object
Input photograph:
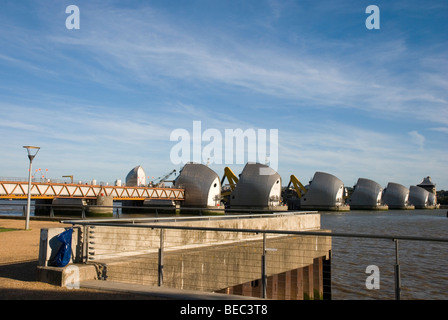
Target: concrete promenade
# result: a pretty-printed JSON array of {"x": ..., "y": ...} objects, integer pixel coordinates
[
  {"x": 229, "y": 260},
  {"x": 19, "y": 251},
  {"x": 19, "y": 269}
]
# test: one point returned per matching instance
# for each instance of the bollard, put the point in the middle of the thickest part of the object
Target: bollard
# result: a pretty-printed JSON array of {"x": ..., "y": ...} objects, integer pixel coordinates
[
  {"x": 397, "y": 273},
  {"x": 160, "y": 265},
  {"x": 263, "y": 269}
]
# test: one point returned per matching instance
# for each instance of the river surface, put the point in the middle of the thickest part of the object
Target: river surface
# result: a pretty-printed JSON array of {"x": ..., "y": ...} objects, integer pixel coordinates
[{"x": 423, "y": 264}]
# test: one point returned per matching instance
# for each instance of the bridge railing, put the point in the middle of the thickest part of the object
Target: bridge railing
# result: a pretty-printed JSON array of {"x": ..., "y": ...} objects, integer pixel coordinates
[{"x": 44, "y": 190}]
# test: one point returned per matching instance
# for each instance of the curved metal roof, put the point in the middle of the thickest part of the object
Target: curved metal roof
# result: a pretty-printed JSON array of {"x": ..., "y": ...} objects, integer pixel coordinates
[
  {"x": 366, "y": 193},
  {"x": 418, "y": 197},
  {"x": 432, "y": 199},
  {"x": 202, "y": 185},
  {"x": 259, "y": 186},
  {"x": 324, "y": 190},
  {"x": 395, "y": 195},
  {"x": 136, "y": 177}
]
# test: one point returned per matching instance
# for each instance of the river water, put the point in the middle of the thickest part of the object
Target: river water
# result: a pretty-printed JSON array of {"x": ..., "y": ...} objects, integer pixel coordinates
[{"x": 423, "y": 265}]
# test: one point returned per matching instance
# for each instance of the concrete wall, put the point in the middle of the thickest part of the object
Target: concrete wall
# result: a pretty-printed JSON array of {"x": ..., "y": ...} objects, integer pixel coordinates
[
  {"x": 114, "y": 242},
  {"x": 221, "y": 266},
  {"x": 304, "y": 283},
  {"x": 197, "y": 260},
  {"x": 49, "y": 245}
]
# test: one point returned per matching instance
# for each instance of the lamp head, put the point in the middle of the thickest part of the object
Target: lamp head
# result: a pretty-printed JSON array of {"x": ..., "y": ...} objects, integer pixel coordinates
[{"x": 32, "y": 151}]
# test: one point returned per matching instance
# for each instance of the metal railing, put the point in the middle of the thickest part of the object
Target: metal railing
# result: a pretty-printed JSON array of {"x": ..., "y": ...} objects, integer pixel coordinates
[
  {"x": 167, "y": 249},
  {"x": 48, "y": 190},
  {"x": 268, "y": 246},
  {"x": 66, "y": 180},
  {"x": 62, "y": 211}
]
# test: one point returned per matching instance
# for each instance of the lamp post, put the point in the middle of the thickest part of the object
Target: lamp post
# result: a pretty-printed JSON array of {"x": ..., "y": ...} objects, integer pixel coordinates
[{"x": 32, "y": 152}]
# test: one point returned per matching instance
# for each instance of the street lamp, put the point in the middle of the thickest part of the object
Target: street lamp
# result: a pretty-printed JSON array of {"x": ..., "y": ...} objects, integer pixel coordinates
[{"x": 32, "y": 152}]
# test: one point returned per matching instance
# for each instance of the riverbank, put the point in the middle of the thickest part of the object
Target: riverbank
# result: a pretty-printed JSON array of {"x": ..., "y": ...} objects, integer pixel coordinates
[{"x": 19, "y": 252}]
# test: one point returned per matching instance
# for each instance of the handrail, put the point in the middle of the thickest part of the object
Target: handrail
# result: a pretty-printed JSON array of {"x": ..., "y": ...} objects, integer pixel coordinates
[{"x": 262, "y": 231}]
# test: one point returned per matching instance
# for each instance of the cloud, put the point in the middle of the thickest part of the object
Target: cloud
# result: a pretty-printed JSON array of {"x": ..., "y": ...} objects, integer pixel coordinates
[
  {"x": 130, "y": 49},
  {"x": 417, "y": 139},
  {"x": 149, "y": 48},
  {"x": 440, "y": 129}
]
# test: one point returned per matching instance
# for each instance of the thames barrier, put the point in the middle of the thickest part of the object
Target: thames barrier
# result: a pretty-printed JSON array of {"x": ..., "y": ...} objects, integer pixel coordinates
[{"x": 249, "y": 238}]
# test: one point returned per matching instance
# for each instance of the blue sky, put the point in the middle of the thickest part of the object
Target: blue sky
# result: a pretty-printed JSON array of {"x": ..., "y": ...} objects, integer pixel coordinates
[{"x": 346, "y": 100}]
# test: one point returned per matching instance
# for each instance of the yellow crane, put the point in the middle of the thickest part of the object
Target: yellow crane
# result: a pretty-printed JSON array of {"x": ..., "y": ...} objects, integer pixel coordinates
[
  {"x": 231, "y": 177},
  {"x": 70, "y": 176},
  {"x": 298, "y": 186},
  {"x": 163, "y": 179},
  {"x": 233, "y": 180}
]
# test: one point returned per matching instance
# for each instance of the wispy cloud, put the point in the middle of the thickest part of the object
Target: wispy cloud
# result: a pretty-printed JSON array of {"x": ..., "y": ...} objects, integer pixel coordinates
[
  {"x": 440, "y": 129},
  {"x": 417, "y": 139},
  {"x": 122, "y": 47},
  {"x": 147, "y": 47}
]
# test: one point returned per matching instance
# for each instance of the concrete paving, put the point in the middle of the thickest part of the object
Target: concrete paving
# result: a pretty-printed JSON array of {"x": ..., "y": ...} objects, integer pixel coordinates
[{"x": 158, "y": 292}]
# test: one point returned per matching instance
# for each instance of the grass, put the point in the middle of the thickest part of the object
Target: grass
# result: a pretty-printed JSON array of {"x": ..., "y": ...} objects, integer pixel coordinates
[{"x": 7, "y": 229}]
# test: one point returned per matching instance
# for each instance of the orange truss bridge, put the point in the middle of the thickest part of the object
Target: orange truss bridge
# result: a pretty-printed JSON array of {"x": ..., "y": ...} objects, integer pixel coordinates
[{"x": 19, "y": 190}]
